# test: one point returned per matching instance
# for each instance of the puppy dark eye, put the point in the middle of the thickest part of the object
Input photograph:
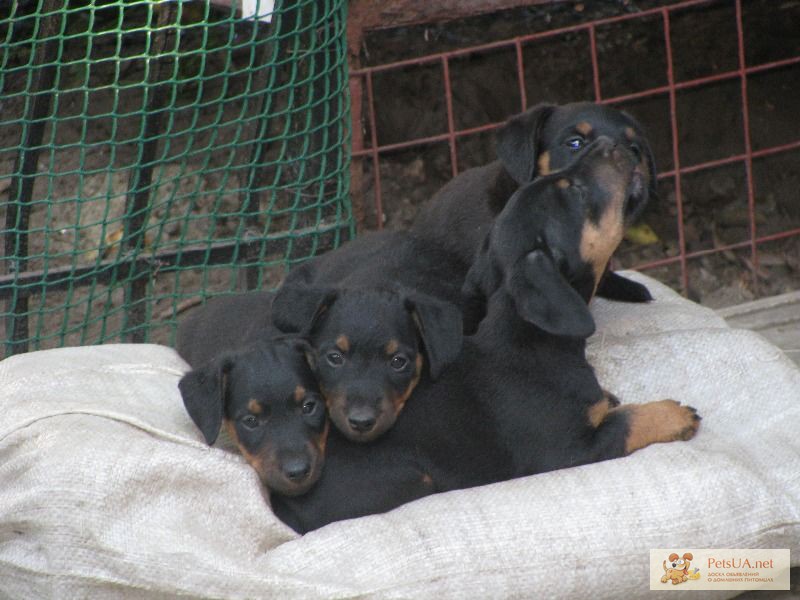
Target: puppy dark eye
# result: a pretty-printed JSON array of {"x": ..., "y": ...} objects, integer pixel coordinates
[
  {"x": 398, "y": 362},
  {"x": 334, "y": 359},
  {"x": 309, "y": 406},
  {"x": 250, "y": 421},
  {"x": 576, "y": 142}
]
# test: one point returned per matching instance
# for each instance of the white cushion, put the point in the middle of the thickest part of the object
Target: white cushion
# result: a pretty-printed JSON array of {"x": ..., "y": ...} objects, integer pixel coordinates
[{"x": 109, "y": 491}]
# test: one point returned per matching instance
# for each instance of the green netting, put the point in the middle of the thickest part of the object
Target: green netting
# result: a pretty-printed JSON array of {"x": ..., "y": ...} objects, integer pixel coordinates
[{"x": 156, "y": 152}]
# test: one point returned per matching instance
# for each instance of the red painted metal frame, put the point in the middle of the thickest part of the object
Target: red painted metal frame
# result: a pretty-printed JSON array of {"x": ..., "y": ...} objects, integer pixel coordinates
[{"x": 362, "y": 77}]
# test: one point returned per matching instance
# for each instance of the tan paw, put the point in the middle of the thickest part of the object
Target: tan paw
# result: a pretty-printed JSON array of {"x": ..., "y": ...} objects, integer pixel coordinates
[{"x": 661, "y": 421}]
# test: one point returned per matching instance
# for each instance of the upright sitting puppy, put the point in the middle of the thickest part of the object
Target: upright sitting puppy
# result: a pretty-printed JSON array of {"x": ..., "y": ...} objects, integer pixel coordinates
[
  {"x": 257, "y": 386},
  {"x": 522, "y": 398},
  {"x": 537, "y": 142}
]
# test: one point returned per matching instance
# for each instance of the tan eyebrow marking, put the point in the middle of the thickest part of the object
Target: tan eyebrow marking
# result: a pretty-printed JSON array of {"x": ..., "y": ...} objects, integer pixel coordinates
[
  {"x": 299, "y": 393},
  {"x": 583, "y": 128}
]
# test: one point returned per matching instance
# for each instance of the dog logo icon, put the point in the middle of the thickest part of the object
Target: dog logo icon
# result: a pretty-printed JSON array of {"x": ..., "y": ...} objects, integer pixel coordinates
[{"x": 676, "y": 569}]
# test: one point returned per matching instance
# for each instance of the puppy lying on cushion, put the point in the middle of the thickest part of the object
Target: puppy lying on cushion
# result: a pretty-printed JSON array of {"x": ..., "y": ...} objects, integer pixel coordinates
[
  {"x": 254, "y": 381},
  {"x": 522, "y": 398}
]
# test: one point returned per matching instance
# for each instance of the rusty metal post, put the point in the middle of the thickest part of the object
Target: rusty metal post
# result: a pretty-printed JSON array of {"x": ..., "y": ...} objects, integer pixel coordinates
[
  {"x": 140, "y": 190},
  {"x": 355, "y": 37},
  {"x": 20, "y": 192}
]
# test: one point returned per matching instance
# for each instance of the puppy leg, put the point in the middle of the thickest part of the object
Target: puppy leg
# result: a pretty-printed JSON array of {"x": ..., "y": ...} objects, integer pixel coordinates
[
  {"x": 655, "y": 422},
  {"x": 598, "y": 412},
  {"x": 617, "y": 287},
  {"x": 620, "y": 430}
]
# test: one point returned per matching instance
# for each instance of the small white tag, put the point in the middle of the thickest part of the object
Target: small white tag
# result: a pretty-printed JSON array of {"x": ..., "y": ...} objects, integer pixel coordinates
[{"x": 260, "y": 9}]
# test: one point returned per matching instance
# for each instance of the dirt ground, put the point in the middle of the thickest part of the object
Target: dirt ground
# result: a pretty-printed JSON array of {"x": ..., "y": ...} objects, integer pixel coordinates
[
  {"x": 410, "y": 104},
  {"x": 87, "y": 201}
]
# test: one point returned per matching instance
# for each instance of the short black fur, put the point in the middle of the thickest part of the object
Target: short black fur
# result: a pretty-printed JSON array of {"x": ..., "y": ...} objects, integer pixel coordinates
[
  {"x": 522, "y": 398},
  {"x": 542, "y": 140},
  {"x": 255, "y": 381}
]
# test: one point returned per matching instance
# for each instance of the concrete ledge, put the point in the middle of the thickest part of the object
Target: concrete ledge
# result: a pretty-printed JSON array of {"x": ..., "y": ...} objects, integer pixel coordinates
[{"x": 777, "y": 318}]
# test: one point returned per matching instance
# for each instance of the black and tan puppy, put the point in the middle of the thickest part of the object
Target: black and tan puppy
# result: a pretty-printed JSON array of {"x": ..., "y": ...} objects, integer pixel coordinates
[
  {"x": 537, "y": 142},
  {"x": 522, "y": 398},
  {"x": 380, "y": 313},
  {"x": 255, "y": 382},
  {"x": 369, "y": 348}
]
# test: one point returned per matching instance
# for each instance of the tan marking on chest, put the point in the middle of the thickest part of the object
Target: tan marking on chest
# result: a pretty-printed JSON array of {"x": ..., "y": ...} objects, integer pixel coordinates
[{"x": 599, "y": 240}]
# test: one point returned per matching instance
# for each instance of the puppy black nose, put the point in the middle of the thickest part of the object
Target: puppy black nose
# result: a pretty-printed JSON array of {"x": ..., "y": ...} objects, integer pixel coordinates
[
  {"x": 296, "y": 468},
  {"x": 361, "y": 423}
]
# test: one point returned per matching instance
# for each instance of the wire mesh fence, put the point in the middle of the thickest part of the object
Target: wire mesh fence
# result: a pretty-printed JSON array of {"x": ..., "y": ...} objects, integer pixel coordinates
[
  {"x": 153, "y": 153},
  {"x": 712, "y": 82}
]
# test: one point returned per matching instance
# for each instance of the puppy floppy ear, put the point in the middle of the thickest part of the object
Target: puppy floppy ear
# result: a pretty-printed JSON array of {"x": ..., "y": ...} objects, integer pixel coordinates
[
  {"x": 204, "y": 391},
  {"x": 634, "y": 210},
  {"x": 518, "y": 142},
  {"x": 688, "y": 556},
  {"x": 440, "y": 327},
  {"x": 482, "y": 280},
  {"x": 303, "y": 346},
  {"x": 544, "y": 298},
  {"x": 297, "y": 308}
]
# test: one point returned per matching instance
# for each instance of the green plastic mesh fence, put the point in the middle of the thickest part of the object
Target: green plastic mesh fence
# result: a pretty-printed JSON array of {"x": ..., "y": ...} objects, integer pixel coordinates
[{"x": 153, "y": 153}]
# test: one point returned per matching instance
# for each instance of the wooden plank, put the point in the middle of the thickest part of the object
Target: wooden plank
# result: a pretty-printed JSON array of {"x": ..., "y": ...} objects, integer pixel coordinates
[
  {"x": 369, "y": 14},
  {"x": 777, "y": 318},
  {"x": 775, "y": 311}
]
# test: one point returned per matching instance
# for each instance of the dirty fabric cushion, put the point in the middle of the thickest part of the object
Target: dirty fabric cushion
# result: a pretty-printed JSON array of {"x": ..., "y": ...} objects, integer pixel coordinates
[{"x": 109, "y": 491}]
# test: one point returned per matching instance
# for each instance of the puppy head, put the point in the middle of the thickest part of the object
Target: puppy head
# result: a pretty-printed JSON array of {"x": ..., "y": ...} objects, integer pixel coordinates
[
  {"x": 548, "y": 138},
  {"x": 369, "y": 347},
  {"x": 549, "y": 246},
  {"x": 267, "y": 399},
  {"x": 680, "y": 563}
]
